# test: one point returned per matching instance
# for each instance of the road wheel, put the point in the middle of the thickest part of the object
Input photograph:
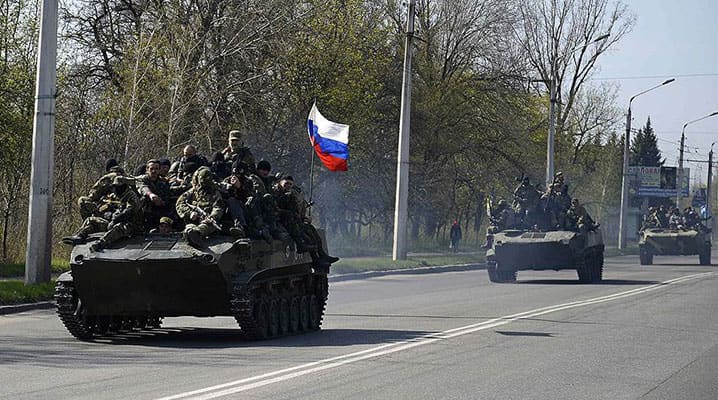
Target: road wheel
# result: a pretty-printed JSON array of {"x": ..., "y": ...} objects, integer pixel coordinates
[
  {"x": 592, "y": 269},
  {"x": 645, "y": 255},
  {"x": 294, "y": 315},
  {"x": 284, "y": 316},
  {"x": 705, "y": 256},
  {"x": 498, "y": 275},
  {"x": 261, "y": 320},
  {"x": 304, "y": 313},
  {"x": 273, "y": 318},
  {"x": 314, "y": 313}
]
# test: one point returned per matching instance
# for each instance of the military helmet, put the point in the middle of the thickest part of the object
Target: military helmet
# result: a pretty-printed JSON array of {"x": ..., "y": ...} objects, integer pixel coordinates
[
  {"x": 202, "y": 178},
  {"x": 235, "y": 135},
  {"x": 166, "y": 220}
]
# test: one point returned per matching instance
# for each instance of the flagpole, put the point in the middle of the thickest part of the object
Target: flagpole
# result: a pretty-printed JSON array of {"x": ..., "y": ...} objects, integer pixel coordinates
[{"x": 311, "y": 169}]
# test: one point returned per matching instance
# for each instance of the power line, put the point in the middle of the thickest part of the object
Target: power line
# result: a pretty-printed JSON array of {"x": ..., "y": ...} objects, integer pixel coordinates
[{"x": 620, "y": 78}]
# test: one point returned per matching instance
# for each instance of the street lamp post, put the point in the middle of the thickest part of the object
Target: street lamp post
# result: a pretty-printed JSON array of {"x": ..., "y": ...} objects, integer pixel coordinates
[
  {"x": 626, "y": 152},
  {"x": 679, "y": 178},
  {"x": 710, "y": 186},
  {"x": 553, "y": 93}
]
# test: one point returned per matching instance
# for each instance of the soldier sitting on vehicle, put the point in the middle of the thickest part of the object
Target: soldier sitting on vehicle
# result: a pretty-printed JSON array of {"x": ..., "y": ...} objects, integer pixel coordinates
[
  {"x": 525, "y": 199},
  {"x": 293, "y": 215},
  {"x": 157, "y": 197},
  {"x": 675, "y": 220},
  {"x": 89, "y": 204},
  {"x": 95, "y": 223},
  {"x": 201, "y": 207},
  {"x": 127, "y": 218},
  {"x": 578, "y": 219},
  {"x": 181, "y": 171},
  {"x": 237, "y": 150},
  {"x": 650, "y": 220},
  {"x": 164, "y": 227},
  {"x": 500, "y": 218}
]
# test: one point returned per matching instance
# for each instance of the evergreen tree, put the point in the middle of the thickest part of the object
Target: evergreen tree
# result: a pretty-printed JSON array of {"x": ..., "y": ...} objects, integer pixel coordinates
[{"x": 644, "y": 148}]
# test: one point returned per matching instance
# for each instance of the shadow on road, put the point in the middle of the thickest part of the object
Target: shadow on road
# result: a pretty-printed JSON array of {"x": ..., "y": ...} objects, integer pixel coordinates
[
  {"x": 531, "y": 334},
  {"x": 617, "y": 282},
  {"x": 212, "y": 338}
]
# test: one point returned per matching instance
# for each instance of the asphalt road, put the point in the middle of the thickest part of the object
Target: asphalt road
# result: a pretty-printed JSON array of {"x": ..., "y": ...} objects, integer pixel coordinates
[{"x": 645, "y": 333}]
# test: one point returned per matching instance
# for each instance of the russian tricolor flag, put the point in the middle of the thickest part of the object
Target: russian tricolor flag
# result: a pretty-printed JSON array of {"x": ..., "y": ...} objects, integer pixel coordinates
[{"x": 329, "y": 139}]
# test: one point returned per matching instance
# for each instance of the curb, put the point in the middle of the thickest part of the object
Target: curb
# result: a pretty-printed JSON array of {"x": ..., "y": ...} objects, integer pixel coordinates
[{"x": 17, "y": 308}]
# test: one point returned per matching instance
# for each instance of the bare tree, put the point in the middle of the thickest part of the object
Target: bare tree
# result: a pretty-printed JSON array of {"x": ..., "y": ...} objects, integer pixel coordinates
[{"x": 557, "y": 37}]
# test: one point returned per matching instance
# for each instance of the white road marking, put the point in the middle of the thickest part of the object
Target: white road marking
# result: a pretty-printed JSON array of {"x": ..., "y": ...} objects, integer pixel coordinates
[{"x": 269, "y": 378}]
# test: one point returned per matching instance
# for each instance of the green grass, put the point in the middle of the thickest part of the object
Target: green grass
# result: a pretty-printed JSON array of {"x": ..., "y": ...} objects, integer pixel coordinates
[
  {"x": 362, "y": 264},
  {"x": 15, "y": 292},
  {"x": 15, "y": 270}
]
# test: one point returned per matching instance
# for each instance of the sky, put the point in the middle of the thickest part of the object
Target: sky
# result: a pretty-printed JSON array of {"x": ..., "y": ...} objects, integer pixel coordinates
[{"x": 670, "y": 39}]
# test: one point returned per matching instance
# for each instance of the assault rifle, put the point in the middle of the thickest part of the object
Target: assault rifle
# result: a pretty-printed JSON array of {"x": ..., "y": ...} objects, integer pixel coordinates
[{"x": 203, "y": 215}]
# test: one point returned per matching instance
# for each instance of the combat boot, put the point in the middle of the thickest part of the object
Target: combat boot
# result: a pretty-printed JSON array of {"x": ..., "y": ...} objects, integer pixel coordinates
[
  {"x": 237, "y": 231},
  {"x": 326, "y": 257},
  {"x": 98, "y": 245},
  {"x": 319, "y": 261},
  {"x": 75, "y": 239},
  {"x": 193, "y": 237}
]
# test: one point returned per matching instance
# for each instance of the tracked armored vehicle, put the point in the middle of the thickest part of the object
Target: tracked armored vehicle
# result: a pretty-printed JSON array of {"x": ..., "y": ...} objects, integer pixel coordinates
[
  {"x": 517, "y": 250},
  {"x": 674, "y": 242},
  {"x": 270, "y": 289}
]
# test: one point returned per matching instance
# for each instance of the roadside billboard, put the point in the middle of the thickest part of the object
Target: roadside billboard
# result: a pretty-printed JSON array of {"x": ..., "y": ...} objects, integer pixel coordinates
[{"x": 657, "y": 181}]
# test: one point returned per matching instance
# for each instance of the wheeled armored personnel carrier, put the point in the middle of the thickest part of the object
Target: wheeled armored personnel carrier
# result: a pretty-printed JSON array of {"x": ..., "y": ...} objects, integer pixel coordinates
[
  {"x": 674, "y": 242},
  {"x": 270, "y": 289},
  {"x": 517, "y": 250}
]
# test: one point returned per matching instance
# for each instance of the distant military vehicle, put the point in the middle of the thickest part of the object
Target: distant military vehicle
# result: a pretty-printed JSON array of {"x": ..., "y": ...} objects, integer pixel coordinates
[
  {"x": 674, "y": 242},
  {"x": 270, "y": 289},
  {"x": 517, "y": 250}
]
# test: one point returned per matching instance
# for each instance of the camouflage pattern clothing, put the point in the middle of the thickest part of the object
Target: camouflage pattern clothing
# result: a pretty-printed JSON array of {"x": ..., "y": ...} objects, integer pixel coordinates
[
  {"x": 90, "y": 204},
  {"x": 127, "y": 218},
  {"x": 201, "y": 207}
]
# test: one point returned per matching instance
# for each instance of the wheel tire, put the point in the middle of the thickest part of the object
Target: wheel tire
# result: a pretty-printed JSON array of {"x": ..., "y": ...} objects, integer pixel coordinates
[
  {"x": 498, "y": 275},
  {"x": 304, "y": 313},
  {"x": 261, "y": 320},
  {"x": 294, "y": 325},
  {"x": 284, "y": 316},
  {"x": 705, "y": 256},
  {"x": 71, "y": 311},
  {"x": 314, "y": 318},
  {"x": 273, "y": 318},
  {"x": 646, "y": 256},
  {"x": 592, "y": 269}
]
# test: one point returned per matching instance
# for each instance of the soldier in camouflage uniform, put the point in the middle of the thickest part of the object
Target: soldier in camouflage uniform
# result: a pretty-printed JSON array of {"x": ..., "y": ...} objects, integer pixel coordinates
[
  {"x": 158, "y": 198},
  {"x": 577, "y": 218},
  {"x": 237, "y": 151},
  {"x": 243, "y": 196},
  {"x": 127, "y": 218},
  {"x": 525, "y": 200},
  {"x": 201, "y": 207},
  {"x": 90, "y": 204},
  {"x": 181, "y": 171},
  {"x": 500, "y": 218},
  {"x": 97, "y": 222},
  {"x": 293, "y": 216}
]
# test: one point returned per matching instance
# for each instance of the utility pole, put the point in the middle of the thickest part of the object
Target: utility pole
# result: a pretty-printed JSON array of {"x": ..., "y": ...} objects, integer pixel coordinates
[
  {"x": 679, "y": 178},
  {"x": 39, "y": 223},
  {"x": 402, "y": 168},
  {"x": 624, "y": 186},
  {"x": 553, "y": 95}
]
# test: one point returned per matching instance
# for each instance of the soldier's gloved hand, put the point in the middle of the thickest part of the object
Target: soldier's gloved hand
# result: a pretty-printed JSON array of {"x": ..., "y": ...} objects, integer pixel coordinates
[{"x": 156, "y": 200}]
